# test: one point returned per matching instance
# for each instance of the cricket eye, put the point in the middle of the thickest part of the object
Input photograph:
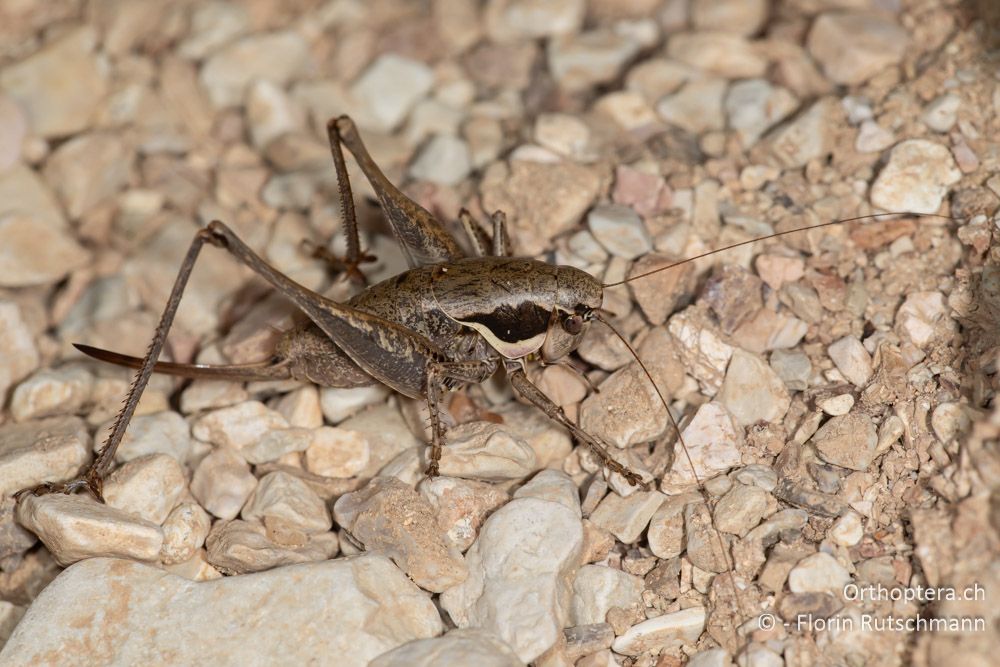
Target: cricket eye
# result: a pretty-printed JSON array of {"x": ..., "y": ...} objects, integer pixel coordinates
[{"x": 573, "y": 324}]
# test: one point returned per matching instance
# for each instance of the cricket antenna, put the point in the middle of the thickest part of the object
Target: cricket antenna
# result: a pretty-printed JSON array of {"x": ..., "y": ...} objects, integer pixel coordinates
[
  {"x": 720, "y": 543},
  {"x": 872, "y": 216}
]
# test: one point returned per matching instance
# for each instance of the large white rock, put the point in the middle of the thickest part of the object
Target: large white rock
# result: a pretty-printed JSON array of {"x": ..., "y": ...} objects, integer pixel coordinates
[
  {"x": 130, "y": 614},
  {"x": 461, "y": 646},
  {"x": 520, "y": 569}
]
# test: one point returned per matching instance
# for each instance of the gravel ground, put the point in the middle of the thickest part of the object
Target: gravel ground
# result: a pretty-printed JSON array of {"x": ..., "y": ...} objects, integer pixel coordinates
[{"x": 835, "y": 388}]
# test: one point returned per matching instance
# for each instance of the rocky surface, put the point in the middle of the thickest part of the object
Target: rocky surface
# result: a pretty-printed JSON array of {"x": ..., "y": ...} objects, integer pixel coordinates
[{"x": 834, "y": 389}]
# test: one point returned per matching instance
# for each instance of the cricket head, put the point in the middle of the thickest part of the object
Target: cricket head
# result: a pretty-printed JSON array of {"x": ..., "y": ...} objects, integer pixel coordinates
[{"x": 578, "y": 296}]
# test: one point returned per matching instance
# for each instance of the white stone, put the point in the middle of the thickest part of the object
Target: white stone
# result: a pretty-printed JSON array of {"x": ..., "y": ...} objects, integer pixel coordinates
[
  {"x": 854, "y": 46},
  {"x": 238, "y": 426},
  {"x": 13, "y": 130},
  {"x": 239, "y": 547},
  {"x": 184, "y": 532},
  {"x": 852, "y": 360},
  {"x": 942, "y": 112},
  {"x": 388, "y": 89},
  {"x": 741, "y": 509},
  {"x": 923, "y": 317},
  {"x": 212, "y": 25},
  {"x": 50, "y": 450},
  {"x": 836, "y": 406},
  {"x": 461, "y": 646},
  {"x": 627, "y": 518},
  {"x": 18, "y": 354},
  {"x": 848, "y": 441},
  {"x": 275, "y": 444},
  {"x": 275, "y": 57},
  {"x": 723, "y": 54},
  {"x": 148, "y": 487},
  {"x": 597, "y": 588},
  {"x": 554, "y": 486},
  {"x": 697, "y": 107},
  {"x": 270, "y": 113},
  {"x": 22, "y": 190},
  {"x": 666, "y": 631},
  {"x": 873, "y": 138},
  {"x": 445, "y": 160},
  {"x": 847, "y": 530},
  {"x": 512, "y": 20},
  {"x": 583, "y": 61},
  {"x": 75, "y": 527},
  {"x": 337, "y": 452},
  {"x": 753, "y": 392},
  {"x": 805, "y": 137},
  {"x": 222, "y": 482},
  {"x": 519, "y": 570},
  {"x": 159, "y": 433},
  {"x": 754, "y": 105},
  {"x": 743, "y": 17},
  {"x": 486, "y": 451},
  {"x": 666, "y": 528},
  {"x": 461, "y": 506},
  {"x": 33, "y": 253},
  {"x": 286, "y": 497},
  {"x": 128, "y": 612},
  {"x": 52, "y": 392},
  {"x": 390, "y": 517},
  {"x": 339, "y": 404},
  {"x": 562, "y": 133},
  {"x": 59, "y": 86},
  {"x": 713, "y": 441},
  {"x": 916, "y": 178},
  {"x": 620, "y": 230},
  {"x": 818, "y": 572},
  {"x": 89, "y": 170}
]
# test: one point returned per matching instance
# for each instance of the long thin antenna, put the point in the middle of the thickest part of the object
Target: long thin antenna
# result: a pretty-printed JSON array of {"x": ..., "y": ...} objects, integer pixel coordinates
[
  {"x": 872, "y": 216},
  {"x": 730, "y": 567}
]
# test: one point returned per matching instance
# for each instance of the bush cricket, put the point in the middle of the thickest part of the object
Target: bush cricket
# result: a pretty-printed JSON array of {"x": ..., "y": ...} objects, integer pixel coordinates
[{"x": 449, "y": 320}]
